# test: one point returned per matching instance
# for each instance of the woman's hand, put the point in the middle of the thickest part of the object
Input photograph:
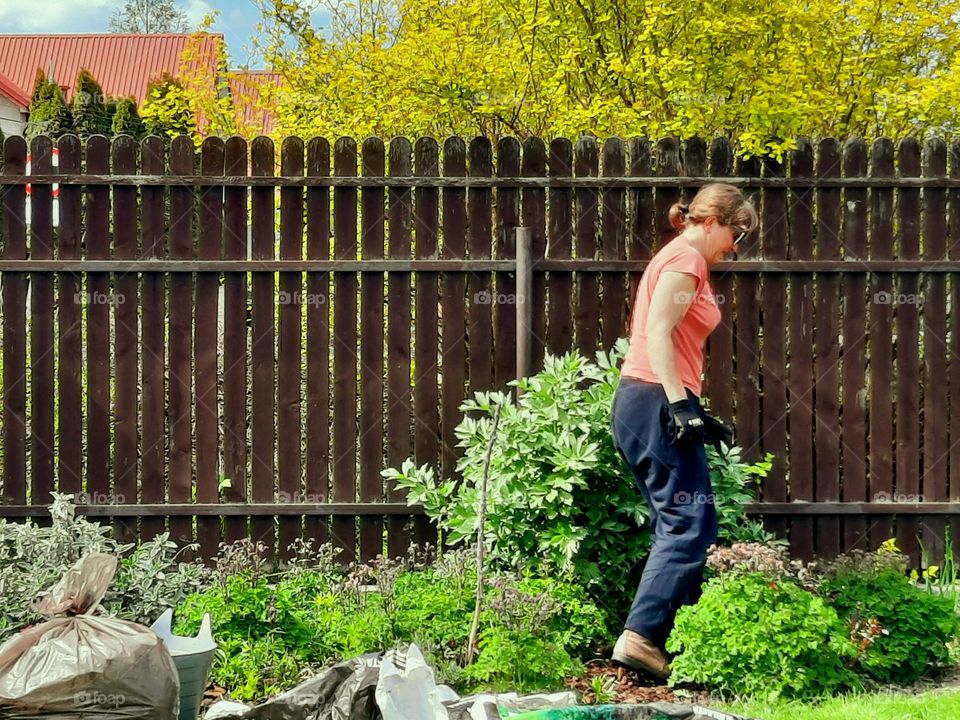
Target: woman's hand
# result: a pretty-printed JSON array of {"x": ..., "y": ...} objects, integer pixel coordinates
[{"x": 684, "y": 420}]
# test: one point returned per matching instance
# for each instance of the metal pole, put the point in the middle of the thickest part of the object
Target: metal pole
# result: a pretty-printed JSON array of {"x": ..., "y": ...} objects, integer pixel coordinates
[{"x": 524, "y": 301}]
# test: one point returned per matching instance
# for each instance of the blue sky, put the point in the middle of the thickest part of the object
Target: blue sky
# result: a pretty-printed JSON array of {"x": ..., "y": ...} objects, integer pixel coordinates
[{"x": 237, "y": 20}]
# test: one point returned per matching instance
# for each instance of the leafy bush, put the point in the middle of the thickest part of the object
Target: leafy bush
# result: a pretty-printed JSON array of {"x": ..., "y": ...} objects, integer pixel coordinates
[
  {"x": 560, "y": 499},
  {"x": 33, "y": 557},
  {"x": 902, "y": 630},
  {"x": 752, "y": 635},
  {"x": 49, "y": 113},
  {"x": 275, "y": 628}
]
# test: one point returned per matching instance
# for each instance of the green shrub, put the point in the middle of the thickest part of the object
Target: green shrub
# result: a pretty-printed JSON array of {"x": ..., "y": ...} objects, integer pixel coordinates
[
  {"x": 149, "y": 579},
  {"x": 276, "y": 628},
  {"x": 90, "y": 113},
  {"x": 751, "y": 635},
  {"x": 49, "y": 113},
  {"x": 902, "y": 630},
  {"x": 126, "y": 119},
  {"x": 560, "y": 500}
]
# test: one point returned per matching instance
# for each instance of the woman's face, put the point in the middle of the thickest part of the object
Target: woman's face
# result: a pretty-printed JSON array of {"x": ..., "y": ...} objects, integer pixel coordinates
[{"x": 719, "y": 239}]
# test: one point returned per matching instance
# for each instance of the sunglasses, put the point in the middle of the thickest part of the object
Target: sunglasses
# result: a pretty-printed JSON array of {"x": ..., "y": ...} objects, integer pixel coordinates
[{"x": 739, "y": 234}]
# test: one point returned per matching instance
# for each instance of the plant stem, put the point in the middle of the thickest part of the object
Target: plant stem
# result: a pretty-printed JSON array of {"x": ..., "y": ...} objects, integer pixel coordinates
[{"x": 481, "y": 544}]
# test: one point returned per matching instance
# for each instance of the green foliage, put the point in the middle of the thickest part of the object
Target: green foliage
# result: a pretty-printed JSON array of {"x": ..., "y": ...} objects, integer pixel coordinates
[
  {"x": 49, "y": 113},
  {"x": 902, "y": 629},
  {"x": 272, "y": 628},
  {"x": 750, "y": 635},
  {"x": 167, "y": 111},
  {"x": 149, "y": 577},
  {"x": 126, "y": 119},
  {"x": 759, "y": 73},
  {"x": 560, "y": 499},
  {"x": 90, "y": 113}
]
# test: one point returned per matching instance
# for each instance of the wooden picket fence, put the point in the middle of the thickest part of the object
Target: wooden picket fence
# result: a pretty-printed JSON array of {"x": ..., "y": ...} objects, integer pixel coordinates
[{"x": 182, "y": 324}]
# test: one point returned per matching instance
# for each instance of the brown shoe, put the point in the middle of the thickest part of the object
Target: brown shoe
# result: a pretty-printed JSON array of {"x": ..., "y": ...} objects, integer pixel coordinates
[{"x": 635, "y": 651}]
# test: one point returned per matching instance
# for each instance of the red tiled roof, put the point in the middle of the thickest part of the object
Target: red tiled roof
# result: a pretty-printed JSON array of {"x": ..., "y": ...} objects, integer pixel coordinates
[
  {"x": 122, "y": 64},
  {"x": 9, "y": 89},
  {"x": 246, "y": 89}
]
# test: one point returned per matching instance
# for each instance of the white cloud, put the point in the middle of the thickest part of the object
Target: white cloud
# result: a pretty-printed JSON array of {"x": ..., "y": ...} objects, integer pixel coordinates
[{"x": 56, "y": 16}]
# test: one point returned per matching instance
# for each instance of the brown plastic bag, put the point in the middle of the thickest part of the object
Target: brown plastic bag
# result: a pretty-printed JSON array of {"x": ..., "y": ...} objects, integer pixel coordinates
[{"x": 85, "y": 665}]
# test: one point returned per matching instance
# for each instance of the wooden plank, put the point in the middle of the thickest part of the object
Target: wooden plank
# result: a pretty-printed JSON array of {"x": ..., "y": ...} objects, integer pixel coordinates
[
  {"x": 881, "y": 338},
  {"x": 773, "y": 354},
  {"x": 235, "y": 352},
  {"x": 720, "y": 378},
  {"x": 853, "y": 353},
  {"x": 936, "y": 449},
  {"x": 318, "y": 342},
  {"x": 800, "y": 375},
  {"x": 154, "y": 406},
  {"x": 508, "y": 218},
  {"x": 426, "y": 397},
  {"x": 371, "y": 351},
  {"x": 189, "y": 267},
  {"x": 206, "y": 404},
  {"x": 180, "y": 343},
  {"x": 69, "y": 350},
  {"x": 98, "y": 299},
  {"x": 399, "y": 405},
  {"x": 746, "y": 308},
  {"x": 452, "y": 306},
  {"x": 613, "y": 232},
  {"x": 953, "y": 252},
  {"x": 14, "y": 329},
  {"x": 586, "y": 312},
  {"x": 268, "y": 510},
  {"x": 534, "y": 216},
  {"x": 289, "y": 352},
  {"x": 126, "y": 322},
  {"x": 559, "y": 245},
  {"x": 272, "y": 181},
  {"x": 907, "y": 311},
  {"x": 827, "y": 350},
  {"x": 262, "y": 342},
  {"x": 41, "y": 331},
  {"x": 480, "y": 284},
  {"x": 343, "y": 529}
]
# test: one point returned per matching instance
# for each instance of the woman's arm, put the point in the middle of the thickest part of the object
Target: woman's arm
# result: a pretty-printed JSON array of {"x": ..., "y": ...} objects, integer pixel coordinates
[{"x": 672, "y": 296}]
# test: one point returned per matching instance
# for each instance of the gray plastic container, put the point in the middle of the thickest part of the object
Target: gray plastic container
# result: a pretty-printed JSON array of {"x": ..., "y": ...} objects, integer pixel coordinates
[{"x": 193, "y": 657}]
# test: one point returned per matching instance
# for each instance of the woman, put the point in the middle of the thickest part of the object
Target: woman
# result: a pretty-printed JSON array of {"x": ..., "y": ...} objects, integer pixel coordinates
[{"x": 657, "y": 420}]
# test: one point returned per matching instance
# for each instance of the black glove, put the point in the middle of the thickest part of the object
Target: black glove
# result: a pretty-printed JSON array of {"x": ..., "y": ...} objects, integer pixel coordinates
[
  {"x": 715, "y": 431},
  {"x": 684, "y": 420}
]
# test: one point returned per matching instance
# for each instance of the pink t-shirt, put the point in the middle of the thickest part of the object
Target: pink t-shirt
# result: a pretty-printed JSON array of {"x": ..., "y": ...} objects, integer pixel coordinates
[{"x": 690, "y": 334}]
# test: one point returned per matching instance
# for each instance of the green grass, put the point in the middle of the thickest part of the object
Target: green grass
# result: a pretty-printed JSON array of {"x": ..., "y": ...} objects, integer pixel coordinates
[{"x": 934, "y": 705}]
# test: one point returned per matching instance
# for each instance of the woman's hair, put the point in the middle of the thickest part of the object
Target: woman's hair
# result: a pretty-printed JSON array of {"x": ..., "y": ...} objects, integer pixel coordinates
[{"x": 725, "y": 201}]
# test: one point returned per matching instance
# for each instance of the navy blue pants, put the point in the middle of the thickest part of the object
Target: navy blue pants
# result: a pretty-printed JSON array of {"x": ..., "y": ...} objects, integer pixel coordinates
[{"x": 675, "y": 481}]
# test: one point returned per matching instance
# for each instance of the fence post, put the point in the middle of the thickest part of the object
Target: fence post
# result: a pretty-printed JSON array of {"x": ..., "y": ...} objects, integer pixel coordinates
[{"x": 524, "y": 244}]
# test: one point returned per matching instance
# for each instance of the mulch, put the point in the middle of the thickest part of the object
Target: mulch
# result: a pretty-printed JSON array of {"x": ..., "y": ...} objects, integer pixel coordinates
[{"x": 629, "y": 687}]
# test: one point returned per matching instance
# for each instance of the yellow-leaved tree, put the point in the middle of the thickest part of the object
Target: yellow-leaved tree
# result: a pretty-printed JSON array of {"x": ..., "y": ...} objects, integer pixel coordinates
[{"x": 759, "y": 73}]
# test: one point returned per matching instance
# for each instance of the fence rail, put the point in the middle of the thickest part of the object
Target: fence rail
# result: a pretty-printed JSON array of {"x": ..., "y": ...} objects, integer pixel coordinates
[{"x": 295, "y": 322}]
